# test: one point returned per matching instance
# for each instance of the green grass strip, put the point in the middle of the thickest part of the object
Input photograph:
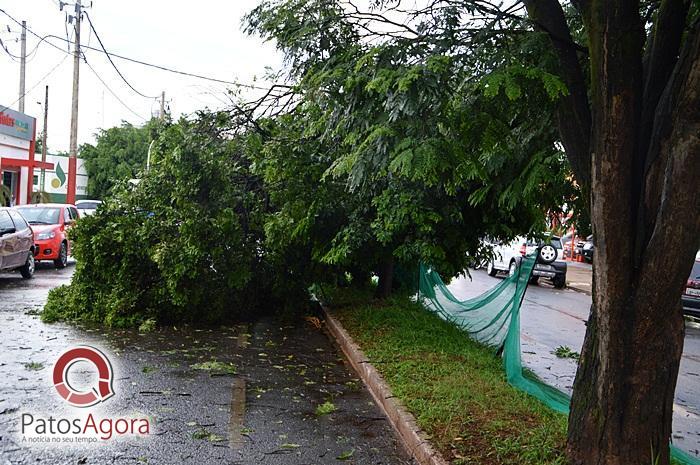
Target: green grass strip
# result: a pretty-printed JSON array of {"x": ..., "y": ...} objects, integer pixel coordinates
[{"x": 455, "y": 387}]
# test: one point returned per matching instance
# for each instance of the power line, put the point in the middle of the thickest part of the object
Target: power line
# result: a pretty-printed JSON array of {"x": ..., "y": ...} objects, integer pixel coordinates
[
  {"x": 30, "y": 55},
  {"x": 41, "y": 39},
  {"x": 110, "y": 90},
  {"x": 37, "y": 83},
  {"x": 10, "y": 54},
  {"x": 144, "y": 63},
  {"x": 111, "y": 61}
]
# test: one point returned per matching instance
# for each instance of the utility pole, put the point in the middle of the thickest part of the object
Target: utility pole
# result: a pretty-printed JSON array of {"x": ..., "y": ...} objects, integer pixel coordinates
[
  {"x": 73, "y": 154},
  {"x": 44, "y": 136},
  {"x": 162, "y": 106},
  {"x": 22, "y": 66}
]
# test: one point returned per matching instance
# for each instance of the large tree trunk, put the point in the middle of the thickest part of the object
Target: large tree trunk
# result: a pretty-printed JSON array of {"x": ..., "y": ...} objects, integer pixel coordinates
[{"x": 644, "y": 210}]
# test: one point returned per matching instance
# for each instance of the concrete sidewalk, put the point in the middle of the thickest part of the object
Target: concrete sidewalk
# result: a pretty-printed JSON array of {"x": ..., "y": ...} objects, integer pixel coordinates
[{"x": 579, "y": 277}]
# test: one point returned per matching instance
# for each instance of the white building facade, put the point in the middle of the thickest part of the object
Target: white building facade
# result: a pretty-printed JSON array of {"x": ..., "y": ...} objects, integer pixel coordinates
[{"x": 20, "y": 166}]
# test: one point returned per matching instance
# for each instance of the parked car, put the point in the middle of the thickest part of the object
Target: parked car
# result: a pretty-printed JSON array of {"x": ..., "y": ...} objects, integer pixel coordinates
[
  {"x": 87, "y": 207},
  {"x": 566, "y": 244},
  {"x": 507, "y": 257},
  {"x": 16, "y": 243},
  {"x": 50, "y": 222},
  {"x": 691, "y": 293},
  {"x": 588, "y": 249}
]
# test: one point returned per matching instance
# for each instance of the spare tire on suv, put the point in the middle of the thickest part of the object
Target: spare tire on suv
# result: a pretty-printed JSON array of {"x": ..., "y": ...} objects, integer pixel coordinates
[{"x": 546, "y": 254}]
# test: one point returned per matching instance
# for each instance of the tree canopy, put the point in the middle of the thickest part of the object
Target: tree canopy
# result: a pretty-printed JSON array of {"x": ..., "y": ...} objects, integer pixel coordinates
[
  {"x": 118, "y": 155},
  {"x": 433, "y": 155}
]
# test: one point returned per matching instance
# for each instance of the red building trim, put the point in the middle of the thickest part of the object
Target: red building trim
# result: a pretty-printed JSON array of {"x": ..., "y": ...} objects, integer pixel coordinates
[{"x": 19, "y": 163}]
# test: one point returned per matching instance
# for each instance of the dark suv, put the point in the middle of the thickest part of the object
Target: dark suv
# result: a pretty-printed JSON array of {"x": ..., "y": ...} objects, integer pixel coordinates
[
  {"x": 555, "y": 270},
  {"x": 16, "y": 243}
]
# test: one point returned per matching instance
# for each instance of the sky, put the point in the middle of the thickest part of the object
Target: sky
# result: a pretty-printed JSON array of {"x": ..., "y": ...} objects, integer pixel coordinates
[{"x": 202, "y": 37}]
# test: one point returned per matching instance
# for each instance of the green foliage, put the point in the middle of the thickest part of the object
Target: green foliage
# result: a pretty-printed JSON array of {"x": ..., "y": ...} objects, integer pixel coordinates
[
  {"x": 325, "y": 408},
  {"x": 34, "y": 366},
  {"x": 567, "y": 352},
  {"x": 216, "y": 367},
  {"x": 407, "y": 151},
  {"x": 393, "y": 153},
  {"x": 119, "y": 155},
  {"x": 147, "y": 326},
  {"x": 185, "y": 245}
]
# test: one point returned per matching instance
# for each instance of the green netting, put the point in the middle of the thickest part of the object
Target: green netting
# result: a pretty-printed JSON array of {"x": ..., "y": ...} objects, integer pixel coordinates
[{"x": 493, "y": 318}]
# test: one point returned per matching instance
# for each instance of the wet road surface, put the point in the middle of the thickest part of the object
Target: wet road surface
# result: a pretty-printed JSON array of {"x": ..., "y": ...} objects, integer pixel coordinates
[
  {"x": 265, "y": 412},
  {"x": 551, "y": 318}
]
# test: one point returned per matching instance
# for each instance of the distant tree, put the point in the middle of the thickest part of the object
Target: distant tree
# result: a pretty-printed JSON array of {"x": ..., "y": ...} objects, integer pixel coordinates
[
  {"x": 38, "y": 145},
  {"x": 118, "y": 155}
]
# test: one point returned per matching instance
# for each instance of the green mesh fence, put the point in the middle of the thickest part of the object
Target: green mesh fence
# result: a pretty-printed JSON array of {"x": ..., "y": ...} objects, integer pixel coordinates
[{"x": 493, "y": 318}]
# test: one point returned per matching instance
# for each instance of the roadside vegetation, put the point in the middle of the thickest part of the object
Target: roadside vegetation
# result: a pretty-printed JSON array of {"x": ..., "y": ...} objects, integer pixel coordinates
[
  {"x": 184, "y": 245},
  {"x": 119, "y": 154},
  {"x": 455, "y": 387}
]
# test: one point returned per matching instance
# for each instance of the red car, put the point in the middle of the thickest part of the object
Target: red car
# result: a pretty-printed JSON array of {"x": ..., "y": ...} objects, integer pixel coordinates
[{"x": 50, "y": 222}]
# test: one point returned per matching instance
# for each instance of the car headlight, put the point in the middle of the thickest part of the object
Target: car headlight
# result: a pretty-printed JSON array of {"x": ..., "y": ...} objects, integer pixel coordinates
[
  {"x": 588, "y": 246},
  {"x": 45, "y": 235}
]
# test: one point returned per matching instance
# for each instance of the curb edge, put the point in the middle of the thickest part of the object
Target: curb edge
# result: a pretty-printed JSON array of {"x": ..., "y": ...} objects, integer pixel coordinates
[{"x": 414, "y": 440}]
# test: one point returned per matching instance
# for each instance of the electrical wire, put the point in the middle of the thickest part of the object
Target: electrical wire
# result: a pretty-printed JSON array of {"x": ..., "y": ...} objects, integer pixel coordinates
[
  {"x": 36, "y": 84},
  {"x": 4, "y": 47},
  {"x": 111, "y": 91},
  {"x": 144, "y": 63},
  {"x": 41, "y": 39},
  {"x": 97, "y": 36}
]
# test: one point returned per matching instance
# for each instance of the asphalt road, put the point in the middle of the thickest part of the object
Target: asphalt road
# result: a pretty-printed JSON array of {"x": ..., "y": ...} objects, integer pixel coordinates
[
  {"x": 264, "y": 413},
  {"x": 551, "y": 318}
]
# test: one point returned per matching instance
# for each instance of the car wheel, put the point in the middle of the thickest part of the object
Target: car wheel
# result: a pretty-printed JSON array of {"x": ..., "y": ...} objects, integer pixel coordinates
[
  {"x": 513, "y": 268},
  {"x": 547, "y": 254},
  {"x": 27, "y": 270},
  {"x": 559, "y": 282},
  {"x": 62, "y": 259},
  {"x": 491, "y": 270}
]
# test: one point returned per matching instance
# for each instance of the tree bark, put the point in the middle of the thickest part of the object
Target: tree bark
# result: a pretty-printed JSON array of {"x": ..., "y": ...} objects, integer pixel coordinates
[
  {"x": 573, "y": 110},
  {"x": 646, "y": 237},
  {"x": 386, "y": 277}
]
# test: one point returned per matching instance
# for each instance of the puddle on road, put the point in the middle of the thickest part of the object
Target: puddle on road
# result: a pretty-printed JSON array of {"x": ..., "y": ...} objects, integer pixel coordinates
[{"x": 237, "y": 414}]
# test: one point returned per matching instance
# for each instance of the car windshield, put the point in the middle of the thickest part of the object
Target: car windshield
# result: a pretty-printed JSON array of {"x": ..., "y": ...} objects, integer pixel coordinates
[
  {"x": 695, "y": 273},
  {"x": 554, "y": 241},
  {"x": 39, "y": 215},
  {"x": 88, "y": 205}
]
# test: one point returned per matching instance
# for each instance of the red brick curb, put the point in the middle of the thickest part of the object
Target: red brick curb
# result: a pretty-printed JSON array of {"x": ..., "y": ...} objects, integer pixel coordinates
[{"x": 413, "y": 438}]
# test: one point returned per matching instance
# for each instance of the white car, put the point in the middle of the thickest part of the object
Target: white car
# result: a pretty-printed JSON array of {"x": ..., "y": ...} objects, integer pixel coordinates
[
  {"x": 551, "y": 264},
  {"x": 87, "y": 207}
]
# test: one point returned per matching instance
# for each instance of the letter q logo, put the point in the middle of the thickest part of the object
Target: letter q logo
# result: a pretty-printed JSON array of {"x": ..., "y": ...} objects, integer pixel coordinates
[{"x": 76, "y": 398}]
